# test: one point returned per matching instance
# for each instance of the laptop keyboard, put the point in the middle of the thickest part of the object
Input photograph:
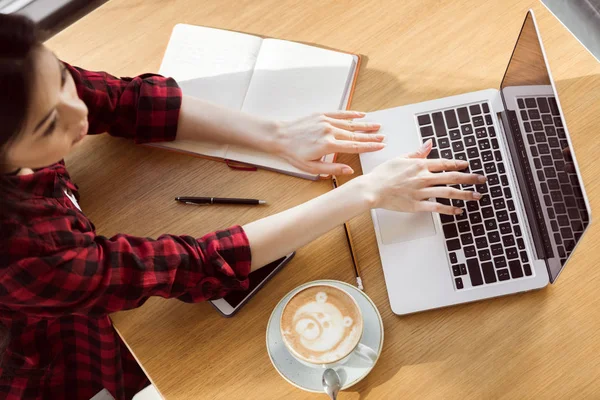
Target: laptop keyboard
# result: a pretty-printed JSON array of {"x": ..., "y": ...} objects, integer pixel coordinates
[
  {"x": 485, "y": 243},
  {"x": 561, "y": 194}
]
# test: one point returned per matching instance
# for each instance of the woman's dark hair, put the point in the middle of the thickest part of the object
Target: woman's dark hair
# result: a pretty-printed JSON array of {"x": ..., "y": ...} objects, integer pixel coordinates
[{"x": 18, "y": 40}]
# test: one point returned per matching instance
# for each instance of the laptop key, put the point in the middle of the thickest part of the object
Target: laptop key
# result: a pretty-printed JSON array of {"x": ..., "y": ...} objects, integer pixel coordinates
[
  {"x": 455, "y": 134},
  {"x": 490, "y": 224},
  {"x": 500, "y": 262},
  {"x": 489, "y": 275},
  {"x": 457, "y": 146},
  {"x": 472, "y": 206},
  {"x": 487, "y": 156},
  {"x": 466, "y": 238},
  {"x": 484, "y": 144},
  {"x": 520, "y": 103},
  {"x": 450, "y": 231},
  {"x": 463, "y": 269},
  {"x": 446, "y": 218},
  {"x": 426, "y": 131},
  {"x": 438, "y": 123},
  {"x": 459, "y": 283},
  {"x": 558, "y": 122},
  {"x": 508, "y": 241},
  {"x": 505, "y": 228},
  {"x": 424, "y": 119},
  {"x": 524, "y": 256},
  {"x": 474, "y": 109},
  {"x": 527, "y": 269},
  {"x": 543, "y": 104},
  {"x": 433, "y": 154},
  {"x": 480, "y": 133},
  {"x": 513, "y": 218},
  {"x": 475, "y": 217},
  {"x": 488, "y": 212},
  {"x": 473, "y": 152},
  {"x": 497, "y": 249},
  {"x": 460, "y": 156},
  {"x": 444, "y": 143},
  {"x": 512, "y": 253},
  {"x": 503, "y": 275},
  {"x": 502, "y": 216},
  {"x": 553, "y": 105},
  {"x": 493, "y": 179},
  {"x": 511, "y": 205},
  {"x": 534, "y": 114},
  {"x": 527, "y": 126},
  {"x": 474, "y": 272},
  {"x": 491, "y": 131},
  {"x": 478, "y": 121},
  {"x": 455, "y": 270},
  {"x": 453, "y": 258},
  {"x": 451, "y": 119},
  {"x": 547, "y": 119},
  {"x": 464, "y": 226},
  {"x": 453, "y": 244},
  {"x": 524, "y": 115},
  {"x": 489, "y": 168},
  {"x": 447, "y": 154},
  {"x": 484, "y": 255},
  {"x": 481, "y": 242},
  {"x": 488, "y": 120},
  {"x": 493, "y": 237},
  {"x": 486, "y": 108},
  {"x": 530, "y": 102},
  {"x": 537, "y": 125},
  {"x": 470, "y": 141},
  {"x": 515, "y": 268},
  {"x": 463, "y": 115},
  {"x": 478, "y": 230},
  {"x": 469, "y": 251},
  {"x": 466, "y": 129}
]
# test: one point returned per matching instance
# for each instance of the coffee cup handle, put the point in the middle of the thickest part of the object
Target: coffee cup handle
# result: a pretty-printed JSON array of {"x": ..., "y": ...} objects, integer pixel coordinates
[{"x": 366, "y": 353}]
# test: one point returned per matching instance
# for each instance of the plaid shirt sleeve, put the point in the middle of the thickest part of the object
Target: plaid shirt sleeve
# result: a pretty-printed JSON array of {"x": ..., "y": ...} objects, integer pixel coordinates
[
  {"x": 95, "y": 275},
  {"x": 144, "y": 108}
]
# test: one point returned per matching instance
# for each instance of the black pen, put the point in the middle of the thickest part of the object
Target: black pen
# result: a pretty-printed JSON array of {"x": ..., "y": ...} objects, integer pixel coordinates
[{"x": 218, "y": 200}]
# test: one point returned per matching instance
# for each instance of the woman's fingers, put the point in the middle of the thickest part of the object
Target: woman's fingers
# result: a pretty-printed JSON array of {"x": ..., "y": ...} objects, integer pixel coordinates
[
  {"x": 342, "y": 134},
  {"x": 453, "y": 178},
  {"x": 344, "y": 114},
  {"x": 423, "y": 151},
  {"x": 432, "y": 206},
  {"x": 320, "y": 167},
  {"x": 347, "y": 146},
  {"x": 442, "y": 164},
  {"x": 448, "y": 193},
  {"x": 351, "y": 125}
]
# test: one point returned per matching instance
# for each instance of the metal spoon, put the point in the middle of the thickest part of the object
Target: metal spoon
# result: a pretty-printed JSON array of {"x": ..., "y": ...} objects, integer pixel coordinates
[{"x": 331, "y": 383}]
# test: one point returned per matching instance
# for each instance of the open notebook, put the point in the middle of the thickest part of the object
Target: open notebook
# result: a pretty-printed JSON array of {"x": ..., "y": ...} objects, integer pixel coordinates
[{"x": 267, "y": 77}]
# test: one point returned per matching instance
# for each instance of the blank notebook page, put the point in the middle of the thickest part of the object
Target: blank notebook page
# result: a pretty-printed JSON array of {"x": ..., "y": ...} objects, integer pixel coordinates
[
  {"x": 213, "y": 65},
  {"x": 292, "y": 80}
]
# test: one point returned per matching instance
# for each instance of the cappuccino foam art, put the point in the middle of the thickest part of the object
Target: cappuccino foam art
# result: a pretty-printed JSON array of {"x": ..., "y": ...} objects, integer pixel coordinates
[{"x": 321, "y": 324}]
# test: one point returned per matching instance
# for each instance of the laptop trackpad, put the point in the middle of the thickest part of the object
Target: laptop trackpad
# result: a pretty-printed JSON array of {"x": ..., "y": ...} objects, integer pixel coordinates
[{"x": 395, "y": 227}]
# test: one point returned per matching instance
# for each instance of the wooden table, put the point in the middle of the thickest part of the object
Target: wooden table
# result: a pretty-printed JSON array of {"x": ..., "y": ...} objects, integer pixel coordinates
[{"x": 535, "y": 345}]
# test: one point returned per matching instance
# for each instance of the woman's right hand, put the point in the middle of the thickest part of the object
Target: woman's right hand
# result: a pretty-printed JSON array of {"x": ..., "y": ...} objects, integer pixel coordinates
[{"x": 407, "y": 183}]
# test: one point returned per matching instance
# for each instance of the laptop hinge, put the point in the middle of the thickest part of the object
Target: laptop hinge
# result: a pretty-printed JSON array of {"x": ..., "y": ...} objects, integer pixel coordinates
[{"x": 531, "y": 203}]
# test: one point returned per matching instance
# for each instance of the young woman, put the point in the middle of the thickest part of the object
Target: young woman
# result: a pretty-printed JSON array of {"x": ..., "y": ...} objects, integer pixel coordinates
[{"x": 59, "y": 280}]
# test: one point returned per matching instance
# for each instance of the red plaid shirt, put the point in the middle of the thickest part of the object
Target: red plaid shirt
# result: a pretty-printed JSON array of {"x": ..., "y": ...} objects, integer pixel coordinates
[{"x": 59, "y": 280}]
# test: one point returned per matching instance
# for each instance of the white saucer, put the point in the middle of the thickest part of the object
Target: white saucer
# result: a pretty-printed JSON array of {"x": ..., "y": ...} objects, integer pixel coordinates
[{"x": 308, "y": 378}]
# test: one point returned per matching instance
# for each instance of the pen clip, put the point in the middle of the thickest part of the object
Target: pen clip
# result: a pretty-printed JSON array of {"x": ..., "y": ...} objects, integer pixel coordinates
[{"x": 196, "y": 204}]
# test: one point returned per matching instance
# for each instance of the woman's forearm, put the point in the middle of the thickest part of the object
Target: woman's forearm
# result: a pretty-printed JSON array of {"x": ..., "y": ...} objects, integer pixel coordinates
[
  {"x": 203, "y": 121},
  {"x": 277, "y": 235}
]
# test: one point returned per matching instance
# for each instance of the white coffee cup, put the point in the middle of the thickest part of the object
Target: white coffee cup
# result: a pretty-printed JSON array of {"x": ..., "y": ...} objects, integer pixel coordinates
[{"x": 358, "y": 352}]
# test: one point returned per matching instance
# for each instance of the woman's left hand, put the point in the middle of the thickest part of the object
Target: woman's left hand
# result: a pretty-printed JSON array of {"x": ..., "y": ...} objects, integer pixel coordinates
[{"x": 305, "y": 141}]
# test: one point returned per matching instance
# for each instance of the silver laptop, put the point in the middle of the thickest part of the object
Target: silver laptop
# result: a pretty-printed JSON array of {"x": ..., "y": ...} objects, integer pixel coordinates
[{"x": 534, "y": 211}]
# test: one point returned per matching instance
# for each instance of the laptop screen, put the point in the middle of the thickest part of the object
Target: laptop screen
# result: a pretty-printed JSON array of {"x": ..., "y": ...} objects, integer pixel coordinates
[{"x": 542, "y": 153}]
